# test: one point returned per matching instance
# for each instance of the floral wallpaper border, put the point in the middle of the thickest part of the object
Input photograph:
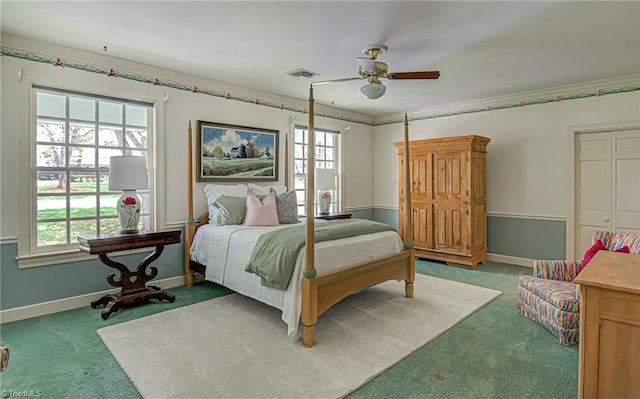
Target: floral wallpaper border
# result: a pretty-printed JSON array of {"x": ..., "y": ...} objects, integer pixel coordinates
[
  {"x": 544, "y": 100},
  {"x": 114, "y": 73}
]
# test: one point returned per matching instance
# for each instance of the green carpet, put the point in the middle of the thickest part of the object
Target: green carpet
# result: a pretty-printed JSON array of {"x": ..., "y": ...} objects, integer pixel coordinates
[{"x": 494, "y": 353}]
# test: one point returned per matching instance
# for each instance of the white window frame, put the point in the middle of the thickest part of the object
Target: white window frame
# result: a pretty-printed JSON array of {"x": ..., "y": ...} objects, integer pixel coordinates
[
  {"x": 336, "y": 207},
  {"x": 29, "y": 253}
]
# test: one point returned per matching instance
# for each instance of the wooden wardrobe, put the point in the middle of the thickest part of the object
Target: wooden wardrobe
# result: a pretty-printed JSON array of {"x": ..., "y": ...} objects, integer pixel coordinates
[{"x": 448, "y": 198}]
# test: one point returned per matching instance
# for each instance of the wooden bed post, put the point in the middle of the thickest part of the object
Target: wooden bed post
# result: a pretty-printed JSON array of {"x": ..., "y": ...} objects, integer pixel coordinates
[
  {"x": 408, "y": 225},
  {"x": 189, "y": 226},
  {"x": 309, "y": 315},
  {"x": 319, "y": 294}
]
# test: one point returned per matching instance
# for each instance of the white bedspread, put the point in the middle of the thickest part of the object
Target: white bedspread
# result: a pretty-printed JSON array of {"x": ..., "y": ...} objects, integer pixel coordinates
[{"x": 225, "y": 250}]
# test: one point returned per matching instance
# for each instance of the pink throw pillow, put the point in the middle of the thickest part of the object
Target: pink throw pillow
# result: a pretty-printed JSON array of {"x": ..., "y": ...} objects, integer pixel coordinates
[
  {"x": 261, "y": 213},
  {"x": 624, "y": 250},
  {"x": 595, "y": 248},
  {"x": 591, "y": 252}
]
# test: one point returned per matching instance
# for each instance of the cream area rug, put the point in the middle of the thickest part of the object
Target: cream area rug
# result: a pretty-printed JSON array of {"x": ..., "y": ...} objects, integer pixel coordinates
[{"x": 236, "y": 347}]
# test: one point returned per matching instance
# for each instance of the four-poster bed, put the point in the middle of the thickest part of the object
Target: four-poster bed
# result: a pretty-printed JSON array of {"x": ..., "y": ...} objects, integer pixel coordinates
[{"x": 313, "y": 291}]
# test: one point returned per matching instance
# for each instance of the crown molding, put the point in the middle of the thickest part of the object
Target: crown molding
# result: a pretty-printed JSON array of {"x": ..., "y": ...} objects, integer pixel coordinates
[
  {"x": 60, "y": 56},
  {"x": 599, "y": 88}
]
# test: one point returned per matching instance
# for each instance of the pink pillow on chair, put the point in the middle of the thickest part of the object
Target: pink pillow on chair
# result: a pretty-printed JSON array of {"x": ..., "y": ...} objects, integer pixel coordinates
[
  {"x": 591, "y": 252},
  {"x": 261, "y": 213},
  {"x": 594, "y": 249}
]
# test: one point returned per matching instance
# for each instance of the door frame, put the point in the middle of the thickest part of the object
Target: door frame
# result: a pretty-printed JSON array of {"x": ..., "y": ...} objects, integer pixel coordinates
[{"x": 573, "y": 132}]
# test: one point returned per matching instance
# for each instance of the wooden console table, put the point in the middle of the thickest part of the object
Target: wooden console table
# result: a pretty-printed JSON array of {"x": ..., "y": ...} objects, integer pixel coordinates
[
  {"x": 133, "y": 283},
  {"x": 609, "y": 327}
]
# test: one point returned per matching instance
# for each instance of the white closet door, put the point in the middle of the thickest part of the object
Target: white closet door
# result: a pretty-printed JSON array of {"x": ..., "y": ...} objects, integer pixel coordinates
[
  {"x": 593, "y": 187},
  {"x": 626, "y": 175}
]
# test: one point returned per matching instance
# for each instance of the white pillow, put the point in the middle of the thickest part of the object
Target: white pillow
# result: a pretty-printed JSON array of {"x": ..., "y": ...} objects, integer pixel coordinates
[
  {"x": 261, "y": 213},
  {"x": 213, "y": 191},
  {"x": 264, "y": 190}
]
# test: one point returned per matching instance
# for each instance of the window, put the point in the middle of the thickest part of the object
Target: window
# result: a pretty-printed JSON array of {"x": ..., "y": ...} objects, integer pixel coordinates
[
  {"x": 75, "y": 135},
  {"x": 327, "y": 154}
]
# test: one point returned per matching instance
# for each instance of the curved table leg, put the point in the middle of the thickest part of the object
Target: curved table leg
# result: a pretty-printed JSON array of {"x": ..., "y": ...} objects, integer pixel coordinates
[
  {"x": 101, "y": 302},
  {"x": 133, "y": 285}
]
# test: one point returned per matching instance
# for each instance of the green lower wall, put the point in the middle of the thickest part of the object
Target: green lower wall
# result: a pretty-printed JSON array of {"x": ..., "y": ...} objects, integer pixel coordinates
[
  {"x": 526, "y": 238},
  {"x": 387, "y": 216},
  {"x": 363, "y": 214},
  {"x": 511, "y": 236},
  {"x": 23, "y": 287}
]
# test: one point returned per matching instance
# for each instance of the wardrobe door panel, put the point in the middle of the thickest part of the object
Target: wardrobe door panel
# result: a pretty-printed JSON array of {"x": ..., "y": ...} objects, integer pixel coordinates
[
  {"x": 450, "y": 228},
  {"x": 450, "y": 176}
]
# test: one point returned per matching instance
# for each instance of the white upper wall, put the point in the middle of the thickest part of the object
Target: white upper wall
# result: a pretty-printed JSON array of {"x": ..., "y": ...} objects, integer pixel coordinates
[
  {"x": 180, "y": 107},
  {"x": 528, "y": 158}
]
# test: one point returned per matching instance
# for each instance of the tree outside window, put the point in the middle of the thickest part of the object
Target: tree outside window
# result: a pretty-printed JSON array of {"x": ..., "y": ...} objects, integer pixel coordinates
[{"x": 76, "y": 134}]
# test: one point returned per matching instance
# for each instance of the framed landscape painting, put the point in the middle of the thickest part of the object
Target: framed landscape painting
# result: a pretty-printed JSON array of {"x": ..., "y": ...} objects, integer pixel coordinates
[{"x": 236, "y": 153}]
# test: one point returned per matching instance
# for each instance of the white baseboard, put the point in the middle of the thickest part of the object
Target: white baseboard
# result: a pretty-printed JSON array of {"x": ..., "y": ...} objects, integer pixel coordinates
[
  {"x": 513, "y": 260},
  {"x": 60, "y": 305}
]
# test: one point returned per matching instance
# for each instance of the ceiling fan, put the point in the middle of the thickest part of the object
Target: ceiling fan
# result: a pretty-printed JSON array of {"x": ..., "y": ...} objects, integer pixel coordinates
[{"x": 373, "y": 71}]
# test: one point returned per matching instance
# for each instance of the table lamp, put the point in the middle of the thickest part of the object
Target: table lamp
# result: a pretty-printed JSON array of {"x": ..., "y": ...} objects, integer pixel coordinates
[
  {"x": 326, "y": 183},
  {"x": 128, "y": 173}
]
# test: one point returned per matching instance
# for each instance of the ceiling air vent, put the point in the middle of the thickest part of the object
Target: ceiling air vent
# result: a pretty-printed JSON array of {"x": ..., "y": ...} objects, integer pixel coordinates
[{"x": 302, "y": 74}]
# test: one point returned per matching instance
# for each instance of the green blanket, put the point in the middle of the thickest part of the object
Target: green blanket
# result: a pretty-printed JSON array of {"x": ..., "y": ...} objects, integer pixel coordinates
[{"x": 274, "y": 256}]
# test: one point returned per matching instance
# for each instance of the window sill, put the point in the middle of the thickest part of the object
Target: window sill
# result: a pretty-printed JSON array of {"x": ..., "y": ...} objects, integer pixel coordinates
[{"x": 55, "y": 258}]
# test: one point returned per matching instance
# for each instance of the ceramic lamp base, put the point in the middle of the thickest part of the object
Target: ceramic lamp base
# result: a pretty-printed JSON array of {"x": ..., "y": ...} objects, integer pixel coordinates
[
  {"x": 324, "y": 202},
  {"x": 129, "y": 212}
]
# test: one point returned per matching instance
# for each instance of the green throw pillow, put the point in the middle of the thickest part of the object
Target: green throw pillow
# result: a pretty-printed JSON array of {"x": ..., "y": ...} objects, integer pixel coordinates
[
  {"x": 287, "y": 207},
  {"x": 231, "y": 210}
]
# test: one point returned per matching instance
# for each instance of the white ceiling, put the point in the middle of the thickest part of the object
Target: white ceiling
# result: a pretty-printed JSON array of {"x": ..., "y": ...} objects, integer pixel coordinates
[{"x": 482, "y": 49}]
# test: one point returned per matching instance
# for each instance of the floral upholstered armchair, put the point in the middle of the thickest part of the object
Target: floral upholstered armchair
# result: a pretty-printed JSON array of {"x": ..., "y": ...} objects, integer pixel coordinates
[{"x": 550, "y": 298}]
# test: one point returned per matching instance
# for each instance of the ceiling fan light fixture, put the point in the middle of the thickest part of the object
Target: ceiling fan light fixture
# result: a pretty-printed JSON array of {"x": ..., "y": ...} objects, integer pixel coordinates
[{"x": 373, "y": 90}]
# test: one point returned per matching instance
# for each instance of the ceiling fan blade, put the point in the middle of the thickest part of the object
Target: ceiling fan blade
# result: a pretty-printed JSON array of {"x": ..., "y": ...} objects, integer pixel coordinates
[
  {"x": 414, "y": 75},
  {"x": 322, "y": 82},
  {"x": 367, "y": 64}
]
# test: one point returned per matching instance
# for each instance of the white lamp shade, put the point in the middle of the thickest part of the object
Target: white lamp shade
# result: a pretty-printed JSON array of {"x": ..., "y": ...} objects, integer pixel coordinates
[
  {"x": 128, "y": 173},
  {"x": 373, "y": 90},
  {"x": 325, "y": 179}
]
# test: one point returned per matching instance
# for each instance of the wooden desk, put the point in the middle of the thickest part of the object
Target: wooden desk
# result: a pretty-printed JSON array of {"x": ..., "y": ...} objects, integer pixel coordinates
[
  {"x": 134, "y": 289},
  {"x": 610, "y": 327}
]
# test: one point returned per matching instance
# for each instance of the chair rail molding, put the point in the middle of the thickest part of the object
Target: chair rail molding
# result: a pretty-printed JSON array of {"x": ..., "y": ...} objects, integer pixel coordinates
[{"x": 526, "y": 216}]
